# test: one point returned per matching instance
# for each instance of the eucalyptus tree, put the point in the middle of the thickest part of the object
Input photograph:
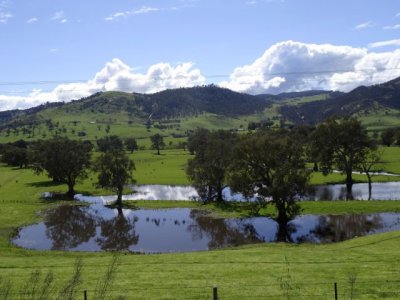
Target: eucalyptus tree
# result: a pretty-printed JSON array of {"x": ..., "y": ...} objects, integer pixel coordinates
[
  {"x": 270, "y": 167},
  {"x": 342, "y": 143},
  {"x": 114, "y": 172},
  {"x": 207, "y": 170},
  {"x": 64, "y": 160},
  {"x": 157, "y": 142}
]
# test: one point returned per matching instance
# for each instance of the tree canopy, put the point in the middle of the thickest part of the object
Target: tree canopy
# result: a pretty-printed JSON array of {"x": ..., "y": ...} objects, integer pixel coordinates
[
  {"x": 110, "y": 143},
  {"x": 270, "y": 166},
  {"x": 208, "y": 169},
  {"x": 64, "y": 160},
  {"x": 157, "y": 142},
  {"x": 115, "y": 171},
  {"x": 131, "y": 144},
  {"x": 342, "y": 144}
]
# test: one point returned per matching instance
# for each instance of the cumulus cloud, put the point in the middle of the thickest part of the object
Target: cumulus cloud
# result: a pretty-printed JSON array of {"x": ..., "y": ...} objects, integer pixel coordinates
[
  {"x": 115, "y": 76},
  {"x": 125, "y": 14},
  {"x": 294, "y": 66}
]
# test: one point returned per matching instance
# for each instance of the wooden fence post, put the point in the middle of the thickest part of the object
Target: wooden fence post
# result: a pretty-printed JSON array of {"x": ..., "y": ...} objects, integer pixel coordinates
[
  {"x": 215, "y": 293},
  {"x": 336, "y": 294}
]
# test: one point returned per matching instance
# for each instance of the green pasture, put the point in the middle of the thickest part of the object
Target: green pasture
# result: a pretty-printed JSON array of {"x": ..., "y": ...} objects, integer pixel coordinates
[{"x": 368, "y": 267}]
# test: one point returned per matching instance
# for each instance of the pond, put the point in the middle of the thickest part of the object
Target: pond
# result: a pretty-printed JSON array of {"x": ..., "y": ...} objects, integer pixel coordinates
[
  {"x": 380, "y": 191},
  {"x": 98, "y": 228}
]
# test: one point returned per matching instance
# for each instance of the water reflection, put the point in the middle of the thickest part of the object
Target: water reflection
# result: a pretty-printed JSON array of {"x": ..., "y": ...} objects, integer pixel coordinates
[
  {"x": 97, "y": 228},
  {"x": 380, "y": 191},
  {"x": 222, "y": 232},
  {"x": 117, "y": 233},
  {"x": 69, "y": 227},
  {"x": 336, "y": 228}
]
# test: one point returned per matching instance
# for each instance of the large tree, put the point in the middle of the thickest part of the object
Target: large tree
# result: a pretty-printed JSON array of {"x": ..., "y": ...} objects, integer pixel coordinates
[
  {"x": 342, "y": 144},
  {"x": 207, "y": 170},
  {"x": 64, "y": 160},
  {"x": 131, "y": 144},
  {"x": 115, "y": 171},
  {"x": 110, "y": 143},
  {"x": 157, "y": 142},
  {"x": 270, "y": 166}
]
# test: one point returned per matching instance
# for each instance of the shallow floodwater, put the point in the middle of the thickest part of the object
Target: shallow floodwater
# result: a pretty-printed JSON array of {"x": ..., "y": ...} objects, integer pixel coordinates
[
  {"x": 97, "y": 228},
  {"x": 380, "y": 191}
]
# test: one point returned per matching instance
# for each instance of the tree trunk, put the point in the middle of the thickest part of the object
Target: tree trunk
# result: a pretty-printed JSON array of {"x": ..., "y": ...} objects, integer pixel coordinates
[
  {"x": 369, "y": 186},
  {"x": 349, "y": 185},
  {"x": 71, "y": 191},
  {"x": 219, "y": 194},
  {"x": 119, "y": 198},
  {"x": 158, "y": 151},
  {"x": 282, "y": 234}
]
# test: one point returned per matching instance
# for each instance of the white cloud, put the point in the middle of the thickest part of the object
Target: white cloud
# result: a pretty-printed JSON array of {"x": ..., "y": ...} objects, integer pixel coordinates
[
  {"x": 396, "y": 26},
  {"x": 385, "y": 43},
  {"x": 32, "y": 20},
  {"x": 4, "y": 17},
  {"x": 294, "y": 66},
  {"x": 115, "y": 76},
  {"x": 59, "y": 16},
  {"x": 365, "y": 25},
  {"x": 125, "y": 14}
]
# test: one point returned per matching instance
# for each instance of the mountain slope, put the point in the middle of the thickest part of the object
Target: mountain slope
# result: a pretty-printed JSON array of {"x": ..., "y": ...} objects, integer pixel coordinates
[{"x": 362, "y": 100}]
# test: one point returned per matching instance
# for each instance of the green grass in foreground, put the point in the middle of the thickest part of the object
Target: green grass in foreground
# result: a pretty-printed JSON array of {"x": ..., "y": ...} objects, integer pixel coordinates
[{"x": 262, "y": 270}]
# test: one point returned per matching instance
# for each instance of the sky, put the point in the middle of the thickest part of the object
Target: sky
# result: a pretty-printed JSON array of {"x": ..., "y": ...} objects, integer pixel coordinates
[{"x": 58, "y": 50}]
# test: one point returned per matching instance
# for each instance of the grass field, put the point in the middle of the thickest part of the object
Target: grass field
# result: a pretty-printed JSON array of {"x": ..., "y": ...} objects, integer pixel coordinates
[{"x": 276, "y": 271}]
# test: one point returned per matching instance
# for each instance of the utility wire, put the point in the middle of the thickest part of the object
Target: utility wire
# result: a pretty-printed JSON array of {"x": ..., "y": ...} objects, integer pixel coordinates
[{"x": 371, "y": 70}]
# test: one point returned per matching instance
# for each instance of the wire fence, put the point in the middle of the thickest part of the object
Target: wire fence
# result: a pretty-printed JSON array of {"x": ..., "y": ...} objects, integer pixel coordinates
[{"x": 383, "y": 289}]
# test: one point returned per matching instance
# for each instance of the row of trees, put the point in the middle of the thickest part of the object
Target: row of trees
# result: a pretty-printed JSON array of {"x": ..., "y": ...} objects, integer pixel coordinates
[
  {"x": 270, "y": 165},
  {"x": 68, "y": 161},
  {"x": 17, "y": 153}
]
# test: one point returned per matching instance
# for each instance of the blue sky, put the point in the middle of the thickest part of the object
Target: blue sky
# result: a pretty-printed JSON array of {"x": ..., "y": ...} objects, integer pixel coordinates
[{"x": 252, "y": 46}]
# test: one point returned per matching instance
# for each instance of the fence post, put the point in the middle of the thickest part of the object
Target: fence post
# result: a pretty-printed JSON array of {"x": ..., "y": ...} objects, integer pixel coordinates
[
  {"x": 84, "y": 295},
  {"x": 215, "y": 293},
  {"x": 336, "y": 294}
]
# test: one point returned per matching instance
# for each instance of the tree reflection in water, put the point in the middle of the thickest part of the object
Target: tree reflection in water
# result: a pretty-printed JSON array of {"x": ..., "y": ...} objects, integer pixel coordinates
[
  {"x": 284, "y": 232},
  {"x": 69, "y": 226},
  {"x": 337, "y": 228},
  {"x": 222, "y": 232},
  {"x": 117, "y": 233}
]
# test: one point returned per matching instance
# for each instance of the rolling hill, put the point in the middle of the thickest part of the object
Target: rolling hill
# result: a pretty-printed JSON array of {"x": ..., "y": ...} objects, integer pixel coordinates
[
  {"x": 176, "y": 111},
  {"x": 362, "y": 101}
]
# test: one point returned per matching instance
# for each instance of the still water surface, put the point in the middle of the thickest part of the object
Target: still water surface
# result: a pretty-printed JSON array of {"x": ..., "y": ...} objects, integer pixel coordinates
[
  {"x": 97, "y": 228},
  {"x": 380, "y": 191}
]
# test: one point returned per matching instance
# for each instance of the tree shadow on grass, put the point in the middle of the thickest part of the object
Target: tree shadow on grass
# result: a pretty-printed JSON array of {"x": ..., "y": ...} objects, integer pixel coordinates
[{"x": 48, "y": 183}]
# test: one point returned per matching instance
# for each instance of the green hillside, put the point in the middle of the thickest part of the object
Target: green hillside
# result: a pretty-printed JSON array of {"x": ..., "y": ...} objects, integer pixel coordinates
[{"x": 173, "y": 113}]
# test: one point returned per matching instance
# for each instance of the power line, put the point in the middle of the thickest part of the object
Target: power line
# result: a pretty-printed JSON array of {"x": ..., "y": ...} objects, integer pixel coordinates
[{"x": 367, "y": 70}]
